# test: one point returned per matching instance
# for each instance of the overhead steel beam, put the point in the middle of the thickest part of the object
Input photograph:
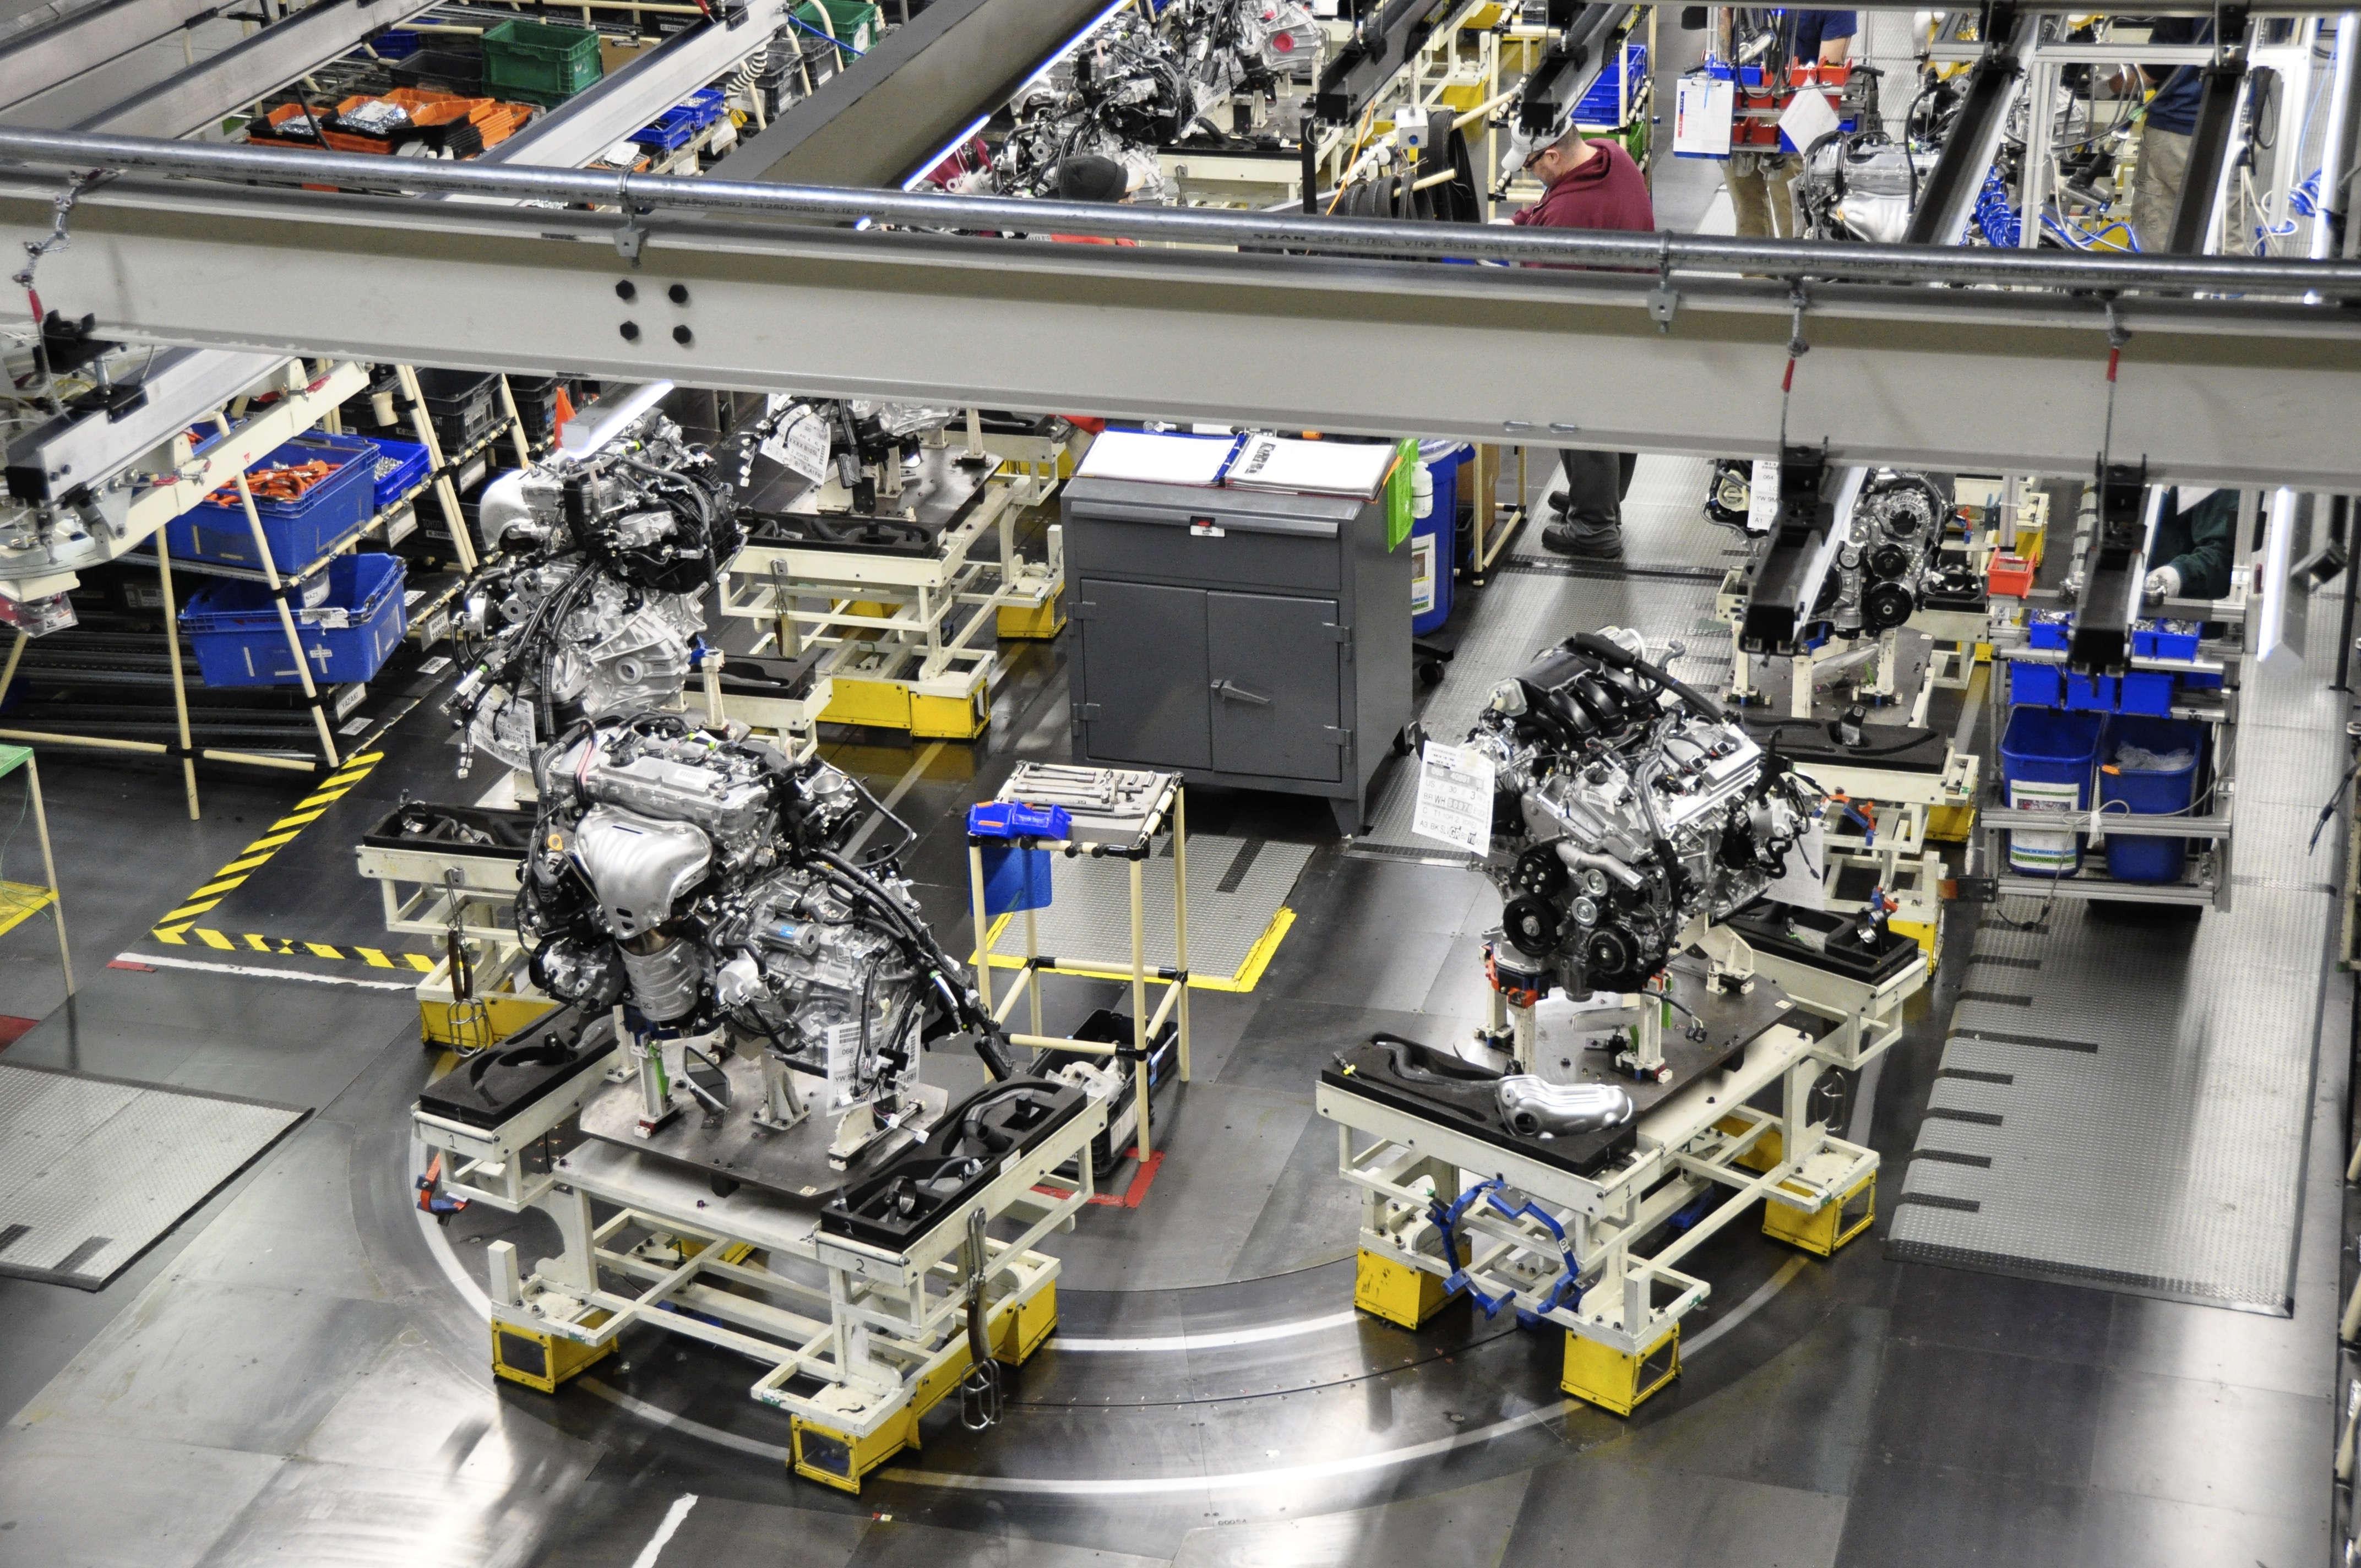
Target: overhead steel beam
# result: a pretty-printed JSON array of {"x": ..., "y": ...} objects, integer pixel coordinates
[
  {"x": 1690, "y": 260},
  {"x": 878, "y": 120},
  {"x": 590, "y": 122},
  {"x": 1949, "y": 196},
  {"x": 252, "y": 68},
  {"x": 39, "y": 58},
  {"x": 1945, "y": 379}
]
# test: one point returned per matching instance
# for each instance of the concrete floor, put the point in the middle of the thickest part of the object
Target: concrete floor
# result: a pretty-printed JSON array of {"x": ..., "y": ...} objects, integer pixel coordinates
[{"x": 297, "y": 1372}]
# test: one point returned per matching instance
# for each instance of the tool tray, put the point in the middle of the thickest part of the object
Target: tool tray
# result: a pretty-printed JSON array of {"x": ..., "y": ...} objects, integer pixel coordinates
[
  {"x": 1782, "y": 931},
  {"x": 927, "y": 1178},
  {"x": 453, "y": 830},
  {"x": 494, "y": 1085}
]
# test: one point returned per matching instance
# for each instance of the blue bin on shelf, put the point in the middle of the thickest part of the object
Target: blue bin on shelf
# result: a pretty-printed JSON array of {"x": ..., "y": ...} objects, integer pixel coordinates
[
  {"x": 2036, "y": 686},
  {"x": 2046, "y": 757},
  {"x": 401, "y": 467},
  {"x": 235, "y": 628},
  {"x": 2151, "y": 793},
  {"x": 2146, "y": 692},
  {"x": 2049, "y": 631},
  {"x": 1435, "y": 538},
  {"x": 299, "y": 531},
  {"x": 2091, "y": 694}
]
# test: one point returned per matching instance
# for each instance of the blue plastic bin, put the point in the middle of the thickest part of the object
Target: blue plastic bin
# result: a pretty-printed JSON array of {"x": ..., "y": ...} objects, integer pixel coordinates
[
  {"x": 401, "y": 466},
  {"x": 2148, "y": 692},
  {"x": 233, "y": 626},
  {"x": 1435, "y": 538},
  {"x": 2144, "y": 859},
  {"x": 2036, "y": 686},
  {"x": 2046, "y": 757},
  {"x": 675, "y": 126},
  {"x": 2049, "y": 631},
  {"x": 2091, "y": 694},
  {"x": 298, "y": 531}
]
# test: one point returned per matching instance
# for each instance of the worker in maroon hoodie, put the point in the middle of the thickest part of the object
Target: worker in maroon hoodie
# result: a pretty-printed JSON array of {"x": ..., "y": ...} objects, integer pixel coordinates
[{"x": 1591, "y": 185}]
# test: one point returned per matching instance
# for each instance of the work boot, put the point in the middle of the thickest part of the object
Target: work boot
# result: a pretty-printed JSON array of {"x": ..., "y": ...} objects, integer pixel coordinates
[
  {"x": 1555, "y": 502},
  {"x": 1584, "y": 540}
]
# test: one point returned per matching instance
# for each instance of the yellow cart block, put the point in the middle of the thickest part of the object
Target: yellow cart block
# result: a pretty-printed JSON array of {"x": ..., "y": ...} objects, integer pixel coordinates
[
  {"x": 1605, "y": 1377},
  {"x": 1019, "y": 1333},
  {"x": 839, "y": 1459},
  {"x": 1039, "y": 624},
  {"x": 1826, "y": 1229},
  {"x": 884, "y": 704},
  {"x": 1396, "y": 1291},
  {"x": 949, "y": 717},
  {"x": 542, "y": 1360},
  {"x": 1766, "y": 1150},
  {"x": 1951, "y": 824},
  {"x": 1921, "y": 932},
  {"x": 506, "y": 1015}
]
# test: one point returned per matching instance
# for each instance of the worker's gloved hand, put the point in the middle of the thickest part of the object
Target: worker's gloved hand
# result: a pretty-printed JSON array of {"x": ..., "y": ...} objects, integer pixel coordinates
[{"x": 2164, "y": 583}]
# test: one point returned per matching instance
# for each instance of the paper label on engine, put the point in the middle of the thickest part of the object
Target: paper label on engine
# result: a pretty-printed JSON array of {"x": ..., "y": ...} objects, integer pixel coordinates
[
  {"x": 801, "y": 445},
  {"x": 1763, "y": 497},
  {"x": 844, "y": 1066},
  {"x": 1454, "y": 798},
  {"x": 1801, "y": 883}
]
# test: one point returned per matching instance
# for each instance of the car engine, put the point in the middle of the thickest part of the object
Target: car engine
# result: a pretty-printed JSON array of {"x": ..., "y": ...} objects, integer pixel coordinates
[
  {"x": 1626, "y": 806},
  {"x": 1878, "y": 576},
  {"x": 697, "y": 880},
  {"x": 589, "y": 603}
]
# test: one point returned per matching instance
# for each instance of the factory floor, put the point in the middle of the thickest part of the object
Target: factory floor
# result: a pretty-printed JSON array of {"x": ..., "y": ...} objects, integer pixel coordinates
[{"x": 297, "y": 1372}]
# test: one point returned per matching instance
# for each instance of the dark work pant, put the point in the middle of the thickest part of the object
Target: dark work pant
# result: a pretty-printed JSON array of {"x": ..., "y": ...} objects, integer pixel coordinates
[{"x": 1596, "y": 483}]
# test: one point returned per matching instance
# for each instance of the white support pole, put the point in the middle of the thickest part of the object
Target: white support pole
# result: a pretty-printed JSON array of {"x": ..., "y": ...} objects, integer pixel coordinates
[
  {"x": 180, "y": 682},
  {"x": 49, "y": 866},
  {"x": 286, "y": 617},
  {"x": 1180, "y": 912},
  {"x": 406, "y": 377},
  {"x": 1139, "y": 1000}
]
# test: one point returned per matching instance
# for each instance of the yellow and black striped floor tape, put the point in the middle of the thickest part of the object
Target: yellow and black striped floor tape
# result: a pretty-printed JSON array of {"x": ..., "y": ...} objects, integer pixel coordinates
[
  {"x": 294, "y": 948},
  {"x": 174, "y": 928}
]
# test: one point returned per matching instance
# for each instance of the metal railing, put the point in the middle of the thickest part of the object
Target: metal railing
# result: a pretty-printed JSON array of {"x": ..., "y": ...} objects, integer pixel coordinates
[{"x": 1669, "y": 256}]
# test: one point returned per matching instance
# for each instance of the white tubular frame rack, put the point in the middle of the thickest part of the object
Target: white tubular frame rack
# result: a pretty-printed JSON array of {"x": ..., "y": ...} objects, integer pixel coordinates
[
  {"x": 1690, "y": 1143},
  {"x": 2214, "y": 881},
  {"x": 918, "y": 643},
  {"x": 874, "y": 1329},
  {"x": 1172, "y": 807}
]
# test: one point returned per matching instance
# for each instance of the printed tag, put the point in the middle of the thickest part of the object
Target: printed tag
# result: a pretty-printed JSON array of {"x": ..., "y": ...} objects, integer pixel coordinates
[
  {"x": 1763, "y": 501},
  {"x": 1454, "y": 798}
]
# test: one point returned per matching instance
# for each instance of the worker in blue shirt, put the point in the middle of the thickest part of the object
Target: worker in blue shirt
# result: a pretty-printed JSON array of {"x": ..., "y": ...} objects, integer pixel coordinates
[
  {"x": 2164, "y": 137},
  {"x": 1761, "y": 183},
  {"x": 2196, "y": 540}
]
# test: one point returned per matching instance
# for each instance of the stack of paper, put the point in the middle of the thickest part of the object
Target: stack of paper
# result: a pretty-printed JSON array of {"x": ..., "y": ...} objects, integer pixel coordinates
[
  {"x": 1158, "y": 458},
  {"x": 1310, "y": 467}
]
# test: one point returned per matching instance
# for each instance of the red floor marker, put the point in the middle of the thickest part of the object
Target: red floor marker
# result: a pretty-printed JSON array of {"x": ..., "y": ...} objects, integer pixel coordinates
[{"x": 13, "y": 1029}]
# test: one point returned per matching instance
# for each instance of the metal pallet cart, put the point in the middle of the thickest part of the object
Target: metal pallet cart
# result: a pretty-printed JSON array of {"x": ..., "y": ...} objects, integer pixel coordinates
[
  {"x": 1115, "y": 815},
  {"x": 903, "y": 632}
]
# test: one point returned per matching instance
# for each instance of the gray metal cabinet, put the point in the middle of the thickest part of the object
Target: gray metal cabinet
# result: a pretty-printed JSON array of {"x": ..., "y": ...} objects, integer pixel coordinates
[{"x": 1243, "y": 639}]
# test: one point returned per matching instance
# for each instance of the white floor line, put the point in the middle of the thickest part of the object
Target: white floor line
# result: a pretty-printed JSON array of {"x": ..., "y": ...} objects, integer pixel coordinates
[
  {"x": 252, "y": 971},
  {"x": 1066, "y": 1343},
  {"x": 671, "y": 1519}
]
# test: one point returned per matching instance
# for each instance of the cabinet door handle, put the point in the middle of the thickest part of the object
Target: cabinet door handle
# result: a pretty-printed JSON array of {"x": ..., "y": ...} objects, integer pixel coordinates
[{"x": 1230, "y": 691}]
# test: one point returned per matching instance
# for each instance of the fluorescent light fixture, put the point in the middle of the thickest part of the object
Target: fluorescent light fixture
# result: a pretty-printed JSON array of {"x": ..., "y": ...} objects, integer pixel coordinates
[{"x": 2270, "y": 587}]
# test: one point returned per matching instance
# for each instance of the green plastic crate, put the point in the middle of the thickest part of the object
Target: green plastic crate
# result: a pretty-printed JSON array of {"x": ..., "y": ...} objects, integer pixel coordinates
[
  {"x": 854, "y": 22},
  {"x": 539, "y": 62}
]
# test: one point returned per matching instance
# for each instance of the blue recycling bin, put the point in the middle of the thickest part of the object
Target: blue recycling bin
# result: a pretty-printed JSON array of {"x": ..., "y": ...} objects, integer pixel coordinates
[
  {"x": 2149, "y": 792},
  {"x": 1435, "y": 538},
  {"x": 2046, "y": 756}
]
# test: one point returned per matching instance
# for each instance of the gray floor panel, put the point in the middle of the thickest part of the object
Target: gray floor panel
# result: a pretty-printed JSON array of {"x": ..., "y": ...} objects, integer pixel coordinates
[
  {"x": 2140, "y": 1123},
  {"x": 1237, "y": 887},
  {"x": 91, "y": 1171}
]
